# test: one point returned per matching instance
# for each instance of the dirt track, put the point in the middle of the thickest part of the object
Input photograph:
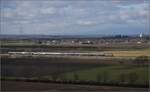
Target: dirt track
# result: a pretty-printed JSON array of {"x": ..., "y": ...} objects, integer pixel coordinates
[{"x": 53, "y": 87}]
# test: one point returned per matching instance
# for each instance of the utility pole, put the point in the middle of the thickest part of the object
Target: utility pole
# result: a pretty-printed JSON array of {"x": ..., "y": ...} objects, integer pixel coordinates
[{"x": 20, "y": 29}]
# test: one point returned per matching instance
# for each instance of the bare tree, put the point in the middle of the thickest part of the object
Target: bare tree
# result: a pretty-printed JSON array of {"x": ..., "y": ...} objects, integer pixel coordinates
[
  {"x": 76, "y": 77},
  {"x": 141, "y": 60},
  {"x": 105, "y": 76},
  {"x": 63, "y": 77},
  {"x": 132, "y": 77},
  {"x": 54, "y": 76},
  {"x": 99, "y": 77},
  {"x": 122, "y": 77}
]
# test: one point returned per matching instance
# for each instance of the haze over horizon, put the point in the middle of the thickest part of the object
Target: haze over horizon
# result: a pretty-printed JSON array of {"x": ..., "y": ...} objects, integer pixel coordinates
[{"x": 75, "y": 17}]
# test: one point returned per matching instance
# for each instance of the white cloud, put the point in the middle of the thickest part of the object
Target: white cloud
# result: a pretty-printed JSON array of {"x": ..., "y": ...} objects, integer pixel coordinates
[
  {"x": 63, "y": 14},
  {"x": 50, "y": 10},
  {"x": 8, "y": 13},
  {"x": 86, "y": 23}
]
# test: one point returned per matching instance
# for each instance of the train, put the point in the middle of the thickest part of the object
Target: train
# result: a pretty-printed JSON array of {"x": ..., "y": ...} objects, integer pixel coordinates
[{"x": 62, "y": 53}]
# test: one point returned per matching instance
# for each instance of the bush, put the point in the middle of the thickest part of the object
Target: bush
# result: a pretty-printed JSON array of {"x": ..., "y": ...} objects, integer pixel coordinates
[
  {"x": 76, "y": 77},
  {"x": 132, "y": 77},
  {"x": 63, "y": 77},
  {"x": 105, "y": 76},
  {"x": 98, "y": 77},
  {"x": 141, "y": 60},
  {"x": 122, "y": 77},
  {"x": 54, "y": 77}
]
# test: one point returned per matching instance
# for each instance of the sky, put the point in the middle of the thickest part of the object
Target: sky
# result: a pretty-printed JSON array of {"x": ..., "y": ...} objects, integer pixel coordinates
[{"x": 74, "y": 17}]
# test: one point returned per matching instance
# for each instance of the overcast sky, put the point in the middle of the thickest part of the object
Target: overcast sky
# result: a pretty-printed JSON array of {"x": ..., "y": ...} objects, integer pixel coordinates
[{"x": 74, "y": 17}]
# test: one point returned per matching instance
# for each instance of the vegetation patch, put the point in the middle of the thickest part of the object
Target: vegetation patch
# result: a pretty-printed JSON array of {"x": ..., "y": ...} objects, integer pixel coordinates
[{"x": 113, "y": 74}]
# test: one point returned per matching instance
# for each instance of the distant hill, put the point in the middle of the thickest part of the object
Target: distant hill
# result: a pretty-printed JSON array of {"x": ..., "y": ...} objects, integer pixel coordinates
[
  {"x": 66, "y": 36},
  {"x": 47, "y": 36}
]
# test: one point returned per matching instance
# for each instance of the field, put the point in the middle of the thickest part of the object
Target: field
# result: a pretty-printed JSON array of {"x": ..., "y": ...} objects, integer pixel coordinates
[
  {"x": 103, "y": 71},
  {"x": 53, "y": 87},
  {"x": 130, "y": 53},
  {"x": 128, "y": 67},
  {"x": 70, "y": 68},
  {"x": 18, "y": 42},
  {"x": 112, "y": 74},
  {"x": 38, "y": 67},
  {"x": 58, "y": 47}
]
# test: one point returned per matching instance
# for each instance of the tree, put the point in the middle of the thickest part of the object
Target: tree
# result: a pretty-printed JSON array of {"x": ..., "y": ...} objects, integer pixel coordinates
[
  {"x": 54, "y": 76},
  {"x": 76, "y": 77},
  {"x": 39, "y": 42},
  {"x": 98, "y": 77},
  {"x": 141, "y": 60},
  {"x": 105, "y": 76},
  {"x": 63, "y": 77},
  {"x": 132, "y": 77},
  {"x": 122, "y": 77}
]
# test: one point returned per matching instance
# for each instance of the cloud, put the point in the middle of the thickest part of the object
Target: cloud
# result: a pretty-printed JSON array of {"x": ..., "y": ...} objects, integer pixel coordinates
[
  {"x": 49, "y": 10},
  {"x": 7, "y": 13},
  {"x": 128, "y": 2},
  {"x": 59, "y": 15},
  {"x": 86, "y": 23}
]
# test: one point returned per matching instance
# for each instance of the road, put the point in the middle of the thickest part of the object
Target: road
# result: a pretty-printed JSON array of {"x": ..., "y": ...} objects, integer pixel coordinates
[{"x": 53, "y": 87}]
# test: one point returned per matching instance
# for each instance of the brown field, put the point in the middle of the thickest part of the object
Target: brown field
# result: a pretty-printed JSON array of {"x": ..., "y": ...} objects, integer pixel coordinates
[{"x": 133, "y": 53}]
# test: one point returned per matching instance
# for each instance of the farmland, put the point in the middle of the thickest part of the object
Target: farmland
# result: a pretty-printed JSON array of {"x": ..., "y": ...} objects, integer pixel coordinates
[
  {"x": 74, "y": 46},
  {"x": 113, "y": 73},
  {"x": 33, "y": 67},
  {"x": 60, "y": 68},
  {"x": 130, "y": 53},
  {"x": 128, "y": 66},
  {"x": 54, "y": 87}
]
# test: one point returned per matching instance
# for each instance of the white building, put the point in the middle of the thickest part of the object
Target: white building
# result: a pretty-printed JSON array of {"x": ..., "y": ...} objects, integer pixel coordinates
[{"x": 141, "y": 35}]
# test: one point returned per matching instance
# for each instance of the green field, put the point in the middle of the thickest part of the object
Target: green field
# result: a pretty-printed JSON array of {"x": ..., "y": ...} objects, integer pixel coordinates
[
  {"x": 18, "y": 42},
  {"x": 112, "y": 73}
]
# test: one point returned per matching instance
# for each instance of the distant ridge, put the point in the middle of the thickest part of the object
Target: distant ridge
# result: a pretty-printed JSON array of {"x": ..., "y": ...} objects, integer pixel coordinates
[
  {"x": 47, "y": 36},
  {"x": 63, "y": 36}
]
